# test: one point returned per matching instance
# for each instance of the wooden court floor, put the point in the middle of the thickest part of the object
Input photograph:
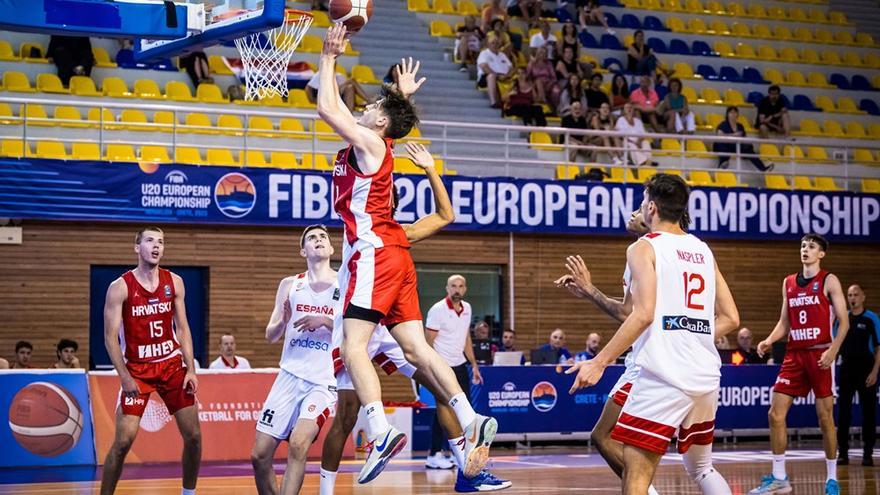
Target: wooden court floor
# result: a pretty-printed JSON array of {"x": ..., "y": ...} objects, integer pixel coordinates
[{"x": 531, "y": 474}]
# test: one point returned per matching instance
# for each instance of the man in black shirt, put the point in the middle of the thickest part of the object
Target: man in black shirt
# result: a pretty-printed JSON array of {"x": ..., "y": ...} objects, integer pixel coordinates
[
  {"x": 576, "y": 119},
  {"x": 773, "y": 114},
  {"x": 595, "y": 96},
  {"x": 860, "y": 360},
  {"x": 745, "y": 353}
]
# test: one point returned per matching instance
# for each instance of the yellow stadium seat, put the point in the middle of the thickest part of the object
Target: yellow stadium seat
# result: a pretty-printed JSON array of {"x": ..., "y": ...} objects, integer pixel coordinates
[
  {"x": 818, "y": 16},
  {"x": 774, "y": 76},
  {"x": 563, "y": 172},
  {"x": 726, "y": 179},
  {"x": 862, "y": 39},
  {"x": 166, "y": 120},
  {"x": 724, "y": 49},
  {"x": 467, "y": 7},
  {"x": 115, "y": 87},
  {"x": 803, "y": 34},
  {"x": 188, "y": 155},
  {"x": 135, "y": 120},
  {"x": 102, "y": 58},
  {"x": 832, "y": 128},
  {"x": 254, "y": 158},
  {"x": 817, "y": 154},
  {"x": 871, "y": 186},
  {"x": 825, "y": 103},
  {"x": 683, "y": 70},
  {"x": 298, "y": 99},
  {"x": 120, "y": 153},
  {"x": 788, "y": 54},
  {"x": 742, "y": 30},
  {"x": 310, "y": 44},
  {"x": 745, "y": 51},
  {"x": 718, "y": 27},
  {"x": 845, "y": 104},
  {"x": 776, "y": 13},
  {"x": 83, "y": 86},
  {"x": 210, "y": 93},
  {"x": 775, "y": 181},
  {"x": 715, "y": 7},
  {"x": 316, "y": 162},
  {"x": 6, "y": 53},
  {"x": 6, "y": 116},
  {"x": 230, "y": 125},
  {"x": 261, "y": 127},
  {"x": 844, "y": 38},
  {"x": 810, "y": 56},
  {"x": 746, "y": 123},
  {"x": 198, "y": 123},
  {"x": 711, "y": 96},
  {"x": 363, "y": 74},
  {"x": 67, "y": 116},
  {"x": 829, "y": 57},
  {"x": 442, "y": 29},
  {"x": 872, "y": 60},
  {"x": 803, "y": 183},
  {"x": 795, "y": 78},
  {"x": 769, "y": 152},
  {"x": 36, "y": 115},
  {"x": 32, "y": 52},
  {"x": 270, "y": 101},
  {"x": 852, "y": 59},
  {"x": 85, "y": 151},
  {"x": 218, "y": 66},
  {"x": 874, "y": 131},
  {"x": 50, "y": 83},
  {"x": 767, "y": 53},
  {"x": 283, "y": 159},
  {"x": 697, "y": 26},
  {"x": 156, "y": 154},
  {"x": 177, "y": 91},
  {"x": 694, "y": 7},
  {"x": 826, "y": 184},
  {"x": 701, "y": 178},
  {"x": 676, "y": 25},
  {"x": 652, "y": 4},
  {"x": 792, "y": 152},
  {"x": 797, "y": 14},
  {"x": 696, "y": 148},
  {"x": 542, "y": 141},
  {"x": 220, "y": 157},
  {"x": 733, "y": 97},
  {"x": 756, "y": 10},
  {"x": 818, "y": 80},
  {"x": 713, "y": 120},
  {"x": 293, "y": 129},
  {"x": 838, "y": 18},
  {"x": 147, "y": 88},
  {"x": 622, "y": 175},
  {"x": 808, "y": 127},
  {"x": 17, "y": 81},
  {"x": 320, "y": 19},
  {"x": 418, "y": 5},
  {"x": 51, "y": 149},
  {"x": 13, "y": 148},
  {"x": 444, "y": 7},
  {"x": 323, "y": 131},
  {"x": 855, "y": 130},
  {"x": 736, "y": 9},
  {"x": 862, "y": 155},
  {"x": 824, "y": 36},
  {"x": 646, "y": 173}
]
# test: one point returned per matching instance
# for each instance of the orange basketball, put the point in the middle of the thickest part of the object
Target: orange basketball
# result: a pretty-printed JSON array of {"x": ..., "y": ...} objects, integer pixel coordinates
[
  {"x": 353, "y": 13},
  {"x": 45, "y": 419}
]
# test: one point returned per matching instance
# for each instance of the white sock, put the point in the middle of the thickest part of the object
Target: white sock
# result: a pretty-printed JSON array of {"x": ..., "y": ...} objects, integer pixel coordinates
[
  {"x": 187, "y": 491},
  {"x": 652, "y": 490},
  {"x": 377, "y": 423},
  {"x": 463, "y": 410},
  {"x": 328, "y": 479},
  {"x": 457, "y": 447},
  {"x": 779, "y": 467},
  {"x": 831, "y": 468}
]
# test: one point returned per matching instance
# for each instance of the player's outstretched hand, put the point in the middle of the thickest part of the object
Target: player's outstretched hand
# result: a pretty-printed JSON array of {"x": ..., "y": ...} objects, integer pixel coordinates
[
  {"x": 567, "y": 282},
  {"x": 420, "y": 156},
  {"x": 826, "y": 360},
  {"x": 335, "y": 40},
  {"x": 312, "y": 323},
  {"x": 190, "y": 382},
  {"x": 763, "y": 347},
  {"x": 588, "y": 374},
  {"x": 580, "y": 274},
  {"x": 406, "y": 72}
]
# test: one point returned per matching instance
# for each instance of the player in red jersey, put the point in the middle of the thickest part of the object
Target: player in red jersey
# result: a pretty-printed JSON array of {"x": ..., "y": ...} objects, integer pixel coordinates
[
  {"x": 808, "y": 298},
  {"x": 377, "y": 275},
  {"x": 155, "y": 354}
]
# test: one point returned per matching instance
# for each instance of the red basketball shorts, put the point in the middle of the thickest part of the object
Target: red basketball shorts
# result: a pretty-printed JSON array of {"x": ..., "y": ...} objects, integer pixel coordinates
[
  {"x": 801, "y": 373},
  {"x": 382, "y": 286},
  {"x": 163, "y": 377}
]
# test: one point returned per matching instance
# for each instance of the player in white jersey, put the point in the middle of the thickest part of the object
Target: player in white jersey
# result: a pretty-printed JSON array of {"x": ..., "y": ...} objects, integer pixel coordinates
[
  {"x": 386, "y": 353},
  {"x": 680, "y": 303},
  {"x": 301, "y": 398}
]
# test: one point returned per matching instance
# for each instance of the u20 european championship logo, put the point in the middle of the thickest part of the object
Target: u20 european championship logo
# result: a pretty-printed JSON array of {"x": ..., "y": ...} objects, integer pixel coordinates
[
  {"x": 544, "y": 396},
  {"x": 235, "y": 195}
]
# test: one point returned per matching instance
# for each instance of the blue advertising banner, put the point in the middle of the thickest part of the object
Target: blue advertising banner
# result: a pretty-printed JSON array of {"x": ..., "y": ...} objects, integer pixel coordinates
[
  {"x": 45, "y": 418},
  {"x": 82, "y": 190},
  {"x": 535, "y": 399}
]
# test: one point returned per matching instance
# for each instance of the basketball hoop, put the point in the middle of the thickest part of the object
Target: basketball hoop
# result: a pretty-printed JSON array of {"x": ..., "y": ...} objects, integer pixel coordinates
[{"x": 265, "y": 55}]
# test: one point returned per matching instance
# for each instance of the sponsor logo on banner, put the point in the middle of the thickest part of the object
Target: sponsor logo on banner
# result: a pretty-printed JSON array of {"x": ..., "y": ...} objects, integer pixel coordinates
[
  {"x": 543, "y": 396},
  {"x": 681, "y": 322},
  {"x": 235, "y": 195}
]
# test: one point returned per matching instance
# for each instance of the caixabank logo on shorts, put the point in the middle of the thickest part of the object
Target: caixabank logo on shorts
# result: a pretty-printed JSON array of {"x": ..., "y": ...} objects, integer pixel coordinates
[{"x": 682, "y": 322}]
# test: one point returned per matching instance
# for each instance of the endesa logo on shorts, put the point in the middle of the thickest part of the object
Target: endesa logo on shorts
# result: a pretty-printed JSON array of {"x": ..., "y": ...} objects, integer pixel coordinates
[
  {"x": 310, "y": 344},
  {"x": 693, "y": 325}
]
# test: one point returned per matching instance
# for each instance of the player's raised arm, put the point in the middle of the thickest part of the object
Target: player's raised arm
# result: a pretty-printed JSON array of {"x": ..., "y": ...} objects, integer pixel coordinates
[
  {"x": 838, "y": 303},
  {"x": 281, "y": 313},
  {"x": 443, "y": 213},
  {"x": 726, "y": 314},
  {"x": 780, "y": 330},
  {"x": 184, "y": 335},
  {"x": 116, "y": 294}
]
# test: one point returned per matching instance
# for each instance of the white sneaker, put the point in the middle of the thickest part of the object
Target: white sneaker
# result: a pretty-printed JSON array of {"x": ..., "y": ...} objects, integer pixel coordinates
[
  {"x": 381, "y": 450},
  {"x": 478, "y": 437},
  {"x": 438, "y": 461}
]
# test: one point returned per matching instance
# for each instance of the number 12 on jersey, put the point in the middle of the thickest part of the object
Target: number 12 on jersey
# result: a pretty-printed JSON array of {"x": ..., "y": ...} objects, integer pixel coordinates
[{"x": 694, "y": 285}]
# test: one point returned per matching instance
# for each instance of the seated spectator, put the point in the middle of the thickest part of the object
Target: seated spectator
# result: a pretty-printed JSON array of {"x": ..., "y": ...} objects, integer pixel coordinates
[
  {"x": 500, "y": 32},
  {"x": 569, "y": 39},
  {"x": 23, "y": 350},
  {"x": 744, "y": 352},
  {"x": 493, "y": 65},
  {"x": 557, "y": 343},
  {"x": 196, "y": 66},
  {"x": 508, "y": 341},
  {"x": 590, "y": 12},
  {"x": 595, "y": 96},
  {"x": 541, "y": 71},
  {"x": 640, "y": 58},
  {"x": 645, "y": 101},
  {"x": 521, "y": 101},
  {"x": 72, "y": 56},
  {"x": 492, "y": 12},
  {"x": 530, "y": 10},
  {"x": 619, "y": 93},
  {"x": 235, "y": 92},
  {"x": 675, "y": 111},
  {"x": 543, "y": 39},
  {"x": 773, "y": 114},
  {"x": 467, "y": 43},
  {"x": 594, "y": 340},
  {"x": 637, "y": 148},
  {"x": 349, "y": 90},
  {"x": 4, "y": 364},
  {"x": 66, "y": 353},
  {"x": 576, "y": 119},
  {"x": 730, "y": 127},
  {"x": 227, "y": 359},
  {"x": 484, "y": 349},
  {"x": 722, "y": 344},
  {"x": 603, "y": 120},
  {"x": 571, "y": 93}
]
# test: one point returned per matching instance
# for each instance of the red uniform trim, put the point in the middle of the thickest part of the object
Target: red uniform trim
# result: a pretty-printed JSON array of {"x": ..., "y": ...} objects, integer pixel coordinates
[{"x": 622, "y": 394}]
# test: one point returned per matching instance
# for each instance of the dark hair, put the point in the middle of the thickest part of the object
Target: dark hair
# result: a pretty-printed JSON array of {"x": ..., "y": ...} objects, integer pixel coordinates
[
  {"x": 670, "y": 193},
  {"x": 732, "y": 108},
  {"x": 140, "y": 234},
  {"x": 637, "y": 33},
  {"x": 595, "y": 76},
  {"x": 818, "y": 239},
  {"x": 675, "y": 80},
  {"x": 509, "y": 330},
  {"x": 497, "y": 22},
  {"x": 23, "y": 344},
  {"x": 302, "y": 238},
  {"x": 566, "y": 25},
  {"x": 401, "y": 114},
  {"x": 685, "y": 221},
  {"x": 389, "y": 76},
  {"x": 774, "y": 88},
  {"x": 623, "y": 90},
  {"x": 64, "y": 344}
]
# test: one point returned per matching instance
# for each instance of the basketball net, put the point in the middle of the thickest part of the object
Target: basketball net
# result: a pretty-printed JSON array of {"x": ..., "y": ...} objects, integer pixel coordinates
[{"x": 265, "y": 55}]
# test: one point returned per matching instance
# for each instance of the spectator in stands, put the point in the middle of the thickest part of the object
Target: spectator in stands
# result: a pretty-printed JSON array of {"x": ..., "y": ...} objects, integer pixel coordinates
[
  {"x": 235, "y": 92},
  {"x": 484, "y": 349},
  {"x": 722, "y": 344},
  {"x": 619, "y": 93},
  {"x": 66, "y": 353},
  {"x": 744, "y": 352},
  {"x": 557, "y": 343},
  {"x": 349, "y": 90},
  {"x": 227, "y": 359},
  {"x": 594, "y": 340},
  {"x": 508, "y": 341},
  {"x": 543, "y": 39},
  {"x": 675, "y": 110},
  {"x": 492, "y": 66},
  {"x": 603, "y": 120},
  {"x": 569, "y": 39},
  {"x": 590, "y": 12},
  {"x": 595, "y": 96},
  {"x": 567, "y": 65},
  {"x": 500, "y": 32},
  {"x": 196, "y": 66},
  {"x": 492, "y": 12},
  {"x": 636, "y": 147},
  {"x": 23, "y": 350},
  {"x": 72, "y": 56},
  {"x": 541, "y": 71},
  {"x": 576, "y": 119},
  {"x": 572, "y": 92},
  {"x": 773, "y": 114},
  {"x": 521, "y": 100},
  {"x": 530, "y": 10},
  {"x": 730, "y": 127},
  {"x": 469, "y": 38},
  {"x": 4, "y": 364},
  {"x": 645, "y": 100},
  {"x": 640, "y": 58}
]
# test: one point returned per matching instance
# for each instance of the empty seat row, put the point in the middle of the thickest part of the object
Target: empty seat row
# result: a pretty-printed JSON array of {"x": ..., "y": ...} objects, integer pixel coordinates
[
  {"x": 753, "y": 10},
  {"x": 33, "y": 52}
]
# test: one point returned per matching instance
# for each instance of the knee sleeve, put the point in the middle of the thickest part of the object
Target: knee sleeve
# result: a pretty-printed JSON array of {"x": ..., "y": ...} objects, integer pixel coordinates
[{"x": 698, "y": 463}]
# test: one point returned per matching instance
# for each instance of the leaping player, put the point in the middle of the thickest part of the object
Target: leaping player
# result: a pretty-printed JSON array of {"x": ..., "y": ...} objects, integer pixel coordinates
[
  {"x": 811, "y": 299},
  {"x": 680, "y": 301},
  {"x": 156, "y": 354},
  {"x": 305, "y": 389},
  {"x": 378, "y": 275},
  {"x": 386, "y": 353}
]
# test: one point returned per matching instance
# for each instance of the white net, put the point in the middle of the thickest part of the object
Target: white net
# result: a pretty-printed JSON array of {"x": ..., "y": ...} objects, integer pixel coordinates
[{"x": 265, "y": 56}]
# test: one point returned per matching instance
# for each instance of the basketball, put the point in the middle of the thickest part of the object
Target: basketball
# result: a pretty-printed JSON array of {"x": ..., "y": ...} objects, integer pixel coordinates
[
  {"x": 45, "y": 419},
  {"x": 353, "y": 13}
]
